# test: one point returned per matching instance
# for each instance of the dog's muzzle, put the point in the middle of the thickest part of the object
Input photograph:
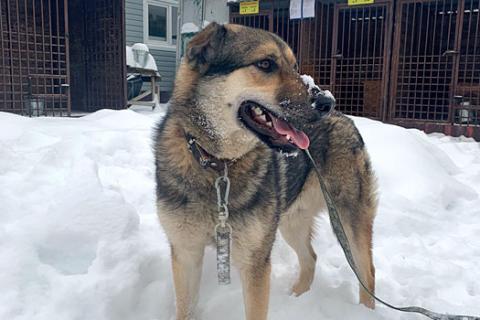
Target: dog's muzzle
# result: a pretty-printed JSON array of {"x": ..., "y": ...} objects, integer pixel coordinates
[{"x": 323, "y": 101}]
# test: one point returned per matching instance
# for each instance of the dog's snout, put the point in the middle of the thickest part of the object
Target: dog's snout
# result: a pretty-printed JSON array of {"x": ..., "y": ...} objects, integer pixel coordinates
[{"x": 324, "y": 101}]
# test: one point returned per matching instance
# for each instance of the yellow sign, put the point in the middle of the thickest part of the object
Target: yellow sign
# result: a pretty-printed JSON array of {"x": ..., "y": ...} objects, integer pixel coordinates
[
  {"x": 359, "y": 2},
  {"x": 249, "y": 7}
]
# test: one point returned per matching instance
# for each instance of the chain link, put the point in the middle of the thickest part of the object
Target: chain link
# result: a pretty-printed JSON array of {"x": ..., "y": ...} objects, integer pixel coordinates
[
  {"x": 223, "y": 184},
  {"x": 223, "y": 230}
]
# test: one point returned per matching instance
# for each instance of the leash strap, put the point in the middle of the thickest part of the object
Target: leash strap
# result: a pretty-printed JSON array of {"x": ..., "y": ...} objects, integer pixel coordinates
[{"x": 343, "y": 240}]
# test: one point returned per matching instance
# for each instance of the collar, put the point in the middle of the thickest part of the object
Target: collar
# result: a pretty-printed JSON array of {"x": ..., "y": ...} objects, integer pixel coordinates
[{"x": 205, "y": 159}]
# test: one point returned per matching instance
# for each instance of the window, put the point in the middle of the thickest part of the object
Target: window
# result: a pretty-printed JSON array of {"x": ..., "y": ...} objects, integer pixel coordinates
[{"x": 161, "y": 23}]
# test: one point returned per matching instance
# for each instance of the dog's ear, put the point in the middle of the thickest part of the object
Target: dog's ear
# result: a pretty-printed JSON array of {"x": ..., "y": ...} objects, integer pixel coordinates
[{"x": 204, "y": 47}]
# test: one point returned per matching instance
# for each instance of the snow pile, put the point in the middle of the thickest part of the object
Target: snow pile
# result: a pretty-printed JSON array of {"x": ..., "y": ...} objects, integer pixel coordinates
[
  {"x": 79, "y": 237},
  {"x": 310, "y": 83},
  {"x": 73, "y": 193},
  {"x": 139, "y": 56},
  {"x": 189, "y": 27}
]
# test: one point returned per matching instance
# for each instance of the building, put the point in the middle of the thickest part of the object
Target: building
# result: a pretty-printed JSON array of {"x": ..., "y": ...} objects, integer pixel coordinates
[
  {"x": 154, "y": 22},
  {"x": 64, "y": 57},
  {"x": 412, "y": 63}
]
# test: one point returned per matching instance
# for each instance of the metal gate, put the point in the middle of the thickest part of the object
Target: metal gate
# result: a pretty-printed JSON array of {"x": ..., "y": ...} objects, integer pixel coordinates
[
  {"x": 34, "y": 57},
  {"x": 410, "y": 62},
  {"x": 424, "y": 59},
  {"x": 262, "y": 20},
  {"x": 105, "y": 54},
  {"x": 466, "y": 97},
  {"x": 359, "y": 58},
  {"x": 50, "y": 64},
  {"x": 436, "y": 66},
  {"x": 311, "y": 40}
]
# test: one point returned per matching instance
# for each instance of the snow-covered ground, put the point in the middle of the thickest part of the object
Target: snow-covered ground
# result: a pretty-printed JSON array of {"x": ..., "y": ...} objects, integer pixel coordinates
[{"x": 79, "y": 237}]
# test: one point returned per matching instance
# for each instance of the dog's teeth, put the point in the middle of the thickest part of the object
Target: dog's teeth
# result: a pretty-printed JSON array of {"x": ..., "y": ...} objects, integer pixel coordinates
[
  {"x": 269, "y": 124},
  {"x": 288, "y": 137},
  {"x": 263, "y": 118},
  {"x": 258, "y": 111}
]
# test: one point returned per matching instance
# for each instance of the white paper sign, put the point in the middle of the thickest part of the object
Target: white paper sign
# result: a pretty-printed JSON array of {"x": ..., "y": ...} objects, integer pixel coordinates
[{"x": 296, "y": 9}]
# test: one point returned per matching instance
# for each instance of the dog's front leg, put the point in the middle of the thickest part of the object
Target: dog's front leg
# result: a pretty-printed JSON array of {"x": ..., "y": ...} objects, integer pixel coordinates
[
  {"x": 187, "y": 271},
  {"x": 251, "y": 254},
  {"x": 256, "y": 289}
]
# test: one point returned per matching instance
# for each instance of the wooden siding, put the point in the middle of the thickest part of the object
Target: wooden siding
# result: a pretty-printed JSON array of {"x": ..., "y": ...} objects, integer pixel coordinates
[{"x": 134, "y": 33}]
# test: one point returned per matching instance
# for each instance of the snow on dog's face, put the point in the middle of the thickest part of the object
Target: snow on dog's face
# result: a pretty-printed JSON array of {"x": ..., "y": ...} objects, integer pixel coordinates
[{"x": 242, "y": 88}]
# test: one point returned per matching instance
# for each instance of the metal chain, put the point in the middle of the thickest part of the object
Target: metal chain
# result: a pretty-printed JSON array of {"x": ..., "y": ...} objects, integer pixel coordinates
[
  {"x": 222, "y": 199},
  {"x": 223, "y": 230}
]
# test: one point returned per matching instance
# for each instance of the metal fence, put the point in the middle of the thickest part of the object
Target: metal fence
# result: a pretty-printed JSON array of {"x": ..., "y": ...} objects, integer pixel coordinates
[
  {"x": 53, "y": 65},
  {"x": 414, "y": 63},
  {"x": 105, "y": 55},
  {"x": 359, "y": 65},
  {"x": 34, "y": 55},
  {"x": 437, "y": 65}
]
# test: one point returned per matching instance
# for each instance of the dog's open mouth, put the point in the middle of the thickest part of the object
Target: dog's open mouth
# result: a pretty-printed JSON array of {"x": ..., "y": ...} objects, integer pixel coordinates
[{"x": 271, "y": 129}]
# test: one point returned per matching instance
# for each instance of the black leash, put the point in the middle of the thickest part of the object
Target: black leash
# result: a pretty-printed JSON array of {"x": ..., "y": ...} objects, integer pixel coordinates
[{"x": 343, "y": 240}]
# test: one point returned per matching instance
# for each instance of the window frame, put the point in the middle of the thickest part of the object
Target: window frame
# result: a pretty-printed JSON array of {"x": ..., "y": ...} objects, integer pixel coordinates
[{"x": 159, "y": 44}]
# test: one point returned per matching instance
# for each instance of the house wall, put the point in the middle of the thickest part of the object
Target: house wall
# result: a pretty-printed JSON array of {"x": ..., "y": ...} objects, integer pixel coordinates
[
  {"x": 134, "y": 33},
  {"x": 197, "y": 11},
  {"x": 215, "y": 10}
]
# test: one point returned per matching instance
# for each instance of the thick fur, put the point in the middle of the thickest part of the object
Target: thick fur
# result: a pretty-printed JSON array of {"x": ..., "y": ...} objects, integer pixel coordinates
[{"x": 269, "y": 191}]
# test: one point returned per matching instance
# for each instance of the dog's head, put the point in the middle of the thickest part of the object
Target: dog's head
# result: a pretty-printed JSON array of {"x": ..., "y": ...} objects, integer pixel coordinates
[{"x": 238, "y": 87}]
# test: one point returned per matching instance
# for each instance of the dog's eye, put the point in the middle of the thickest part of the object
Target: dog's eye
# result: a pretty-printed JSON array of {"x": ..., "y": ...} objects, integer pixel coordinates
[{"x": 266, "y": 65}]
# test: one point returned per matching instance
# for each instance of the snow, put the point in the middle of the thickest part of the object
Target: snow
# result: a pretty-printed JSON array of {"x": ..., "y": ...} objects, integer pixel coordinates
[
  {"x": 310, "y": 83},
  {"x": 189, "y": 27},
  {"x": 79, "y": 238},
  {"x": 146, "y": 61}
]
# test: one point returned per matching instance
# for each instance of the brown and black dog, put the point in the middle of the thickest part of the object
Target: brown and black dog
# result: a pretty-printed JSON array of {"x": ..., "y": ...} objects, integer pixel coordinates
[{"x": 238, "y": 93}]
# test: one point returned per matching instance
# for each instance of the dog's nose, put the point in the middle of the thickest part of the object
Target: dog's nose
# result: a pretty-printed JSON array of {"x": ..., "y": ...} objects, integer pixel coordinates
[{"x": 323, "y": 101}]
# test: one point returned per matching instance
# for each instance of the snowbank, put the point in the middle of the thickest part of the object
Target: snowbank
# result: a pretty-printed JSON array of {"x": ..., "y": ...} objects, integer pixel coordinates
[
  {"x": 79, "y": 238},
  {"x": 189, "y": 27}
]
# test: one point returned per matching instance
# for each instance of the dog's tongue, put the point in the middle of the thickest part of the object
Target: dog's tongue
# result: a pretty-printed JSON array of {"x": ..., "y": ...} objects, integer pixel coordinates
[{"x": 299, "y": 138}]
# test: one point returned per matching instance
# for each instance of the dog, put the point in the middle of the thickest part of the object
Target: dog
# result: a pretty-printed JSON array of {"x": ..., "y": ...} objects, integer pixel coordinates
[{"x": 239, "y": 102}]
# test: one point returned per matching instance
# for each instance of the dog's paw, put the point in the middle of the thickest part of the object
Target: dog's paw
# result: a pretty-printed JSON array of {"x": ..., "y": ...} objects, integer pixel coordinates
[
  {"x": 303, "y": 284},
  {"x": 367, "y": 301},
  {"x": 299, "y": 288}
]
